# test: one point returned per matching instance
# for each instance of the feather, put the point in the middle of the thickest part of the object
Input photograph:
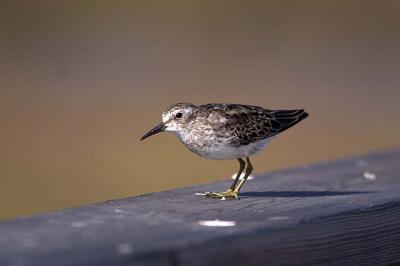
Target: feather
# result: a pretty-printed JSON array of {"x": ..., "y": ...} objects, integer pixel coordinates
[{"x": 249, "y": 124}]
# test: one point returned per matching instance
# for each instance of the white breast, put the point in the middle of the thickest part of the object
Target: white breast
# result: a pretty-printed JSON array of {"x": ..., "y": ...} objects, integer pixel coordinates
[{"x": 227, "y": 152}]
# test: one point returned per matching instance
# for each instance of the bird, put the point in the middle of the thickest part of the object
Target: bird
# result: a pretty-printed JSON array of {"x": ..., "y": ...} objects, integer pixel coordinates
[{"x": 221, "y": 131}]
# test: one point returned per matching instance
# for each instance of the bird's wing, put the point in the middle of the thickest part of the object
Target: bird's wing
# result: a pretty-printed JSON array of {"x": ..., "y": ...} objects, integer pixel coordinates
[
  {"x": 254, "y": 124},
  {"x": 247, "y": 123}
]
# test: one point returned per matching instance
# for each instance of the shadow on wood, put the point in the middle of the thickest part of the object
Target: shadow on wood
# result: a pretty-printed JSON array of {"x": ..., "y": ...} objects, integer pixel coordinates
[{"x": 299, "y": 194}]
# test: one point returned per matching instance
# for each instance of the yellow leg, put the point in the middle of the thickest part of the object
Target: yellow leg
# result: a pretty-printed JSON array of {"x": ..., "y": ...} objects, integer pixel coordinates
[
  {"x": 230, "y": 192},
  {"x": 242, "y": 164},
  {"x": 249, "y": 169},
  {"x": 233, "y": 192}
]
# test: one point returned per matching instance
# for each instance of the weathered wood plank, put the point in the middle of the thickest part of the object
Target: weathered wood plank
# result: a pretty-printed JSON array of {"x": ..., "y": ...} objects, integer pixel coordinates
[{"x": 337, "y": 213}]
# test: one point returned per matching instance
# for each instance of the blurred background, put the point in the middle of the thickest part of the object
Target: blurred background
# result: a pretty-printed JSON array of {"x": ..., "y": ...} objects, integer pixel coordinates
[{"x": 82, "y": 81}]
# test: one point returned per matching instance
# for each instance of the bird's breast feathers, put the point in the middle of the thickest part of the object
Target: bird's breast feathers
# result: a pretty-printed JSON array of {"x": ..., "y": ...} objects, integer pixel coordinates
[
  {"x": 223, "y": 149},
  {"x": 229, "y": 152}
]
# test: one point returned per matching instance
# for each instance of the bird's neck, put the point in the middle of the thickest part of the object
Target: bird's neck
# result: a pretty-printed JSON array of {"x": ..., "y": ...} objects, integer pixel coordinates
[{"x": 184, "y": 135}]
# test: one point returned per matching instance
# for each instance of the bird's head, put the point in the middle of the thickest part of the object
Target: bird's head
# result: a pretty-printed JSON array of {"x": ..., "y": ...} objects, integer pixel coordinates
[{"x": 174, "y": 119}]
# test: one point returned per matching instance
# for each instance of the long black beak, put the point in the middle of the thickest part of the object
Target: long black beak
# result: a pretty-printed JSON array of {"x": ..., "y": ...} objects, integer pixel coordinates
[{"x": 159, "y": 128}]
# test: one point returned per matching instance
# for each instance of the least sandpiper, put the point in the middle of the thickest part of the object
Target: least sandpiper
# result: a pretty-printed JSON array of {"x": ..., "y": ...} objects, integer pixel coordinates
[{"x": 226, "y": 132}]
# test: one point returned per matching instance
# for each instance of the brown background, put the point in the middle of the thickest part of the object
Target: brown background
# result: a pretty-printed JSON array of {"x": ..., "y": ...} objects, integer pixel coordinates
[{"x": 81, "y": 81}]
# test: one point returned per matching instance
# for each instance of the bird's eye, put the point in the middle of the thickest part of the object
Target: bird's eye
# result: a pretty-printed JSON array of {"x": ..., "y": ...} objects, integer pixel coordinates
[{"x": 178, "y": 115}]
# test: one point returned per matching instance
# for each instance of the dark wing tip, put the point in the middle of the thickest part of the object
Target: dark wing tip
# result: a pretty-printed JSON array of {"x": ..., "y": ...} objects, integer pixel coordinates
[
  {"x": 303, "y": 114},
  {"x": 288, "y": 118}
]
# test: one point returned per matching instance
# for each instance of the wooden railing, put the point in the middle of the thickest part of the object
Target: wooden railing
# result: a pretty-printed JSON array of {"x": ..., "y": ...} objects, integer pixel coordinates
[{"x": 344, "y": 212}]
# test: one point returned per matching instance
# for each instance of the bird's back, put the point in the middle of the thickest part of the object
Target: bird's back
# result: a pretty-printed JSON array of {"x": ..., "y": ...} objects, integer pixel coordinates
[
  {"x": 249, "y": 123},
  {"x": 227, "y": 131}
]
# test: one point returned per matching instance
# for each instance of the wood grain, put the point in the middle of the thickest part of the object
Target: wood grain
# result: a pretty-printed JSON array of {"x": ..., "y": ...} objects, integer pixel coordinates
[{"x": 345, "y": 212}]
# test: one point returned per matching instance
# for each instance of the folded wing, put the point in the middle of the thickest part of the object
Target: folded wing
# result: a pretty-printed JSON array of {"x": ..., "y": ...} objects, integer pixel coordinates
[{"x": 256, "y": 125}]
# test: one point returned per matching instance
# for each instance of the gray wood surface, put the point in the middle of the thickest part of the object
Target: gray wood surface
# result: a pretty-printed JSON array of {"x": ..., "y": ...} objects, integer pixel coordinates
[{"x": 345, "y": 212}]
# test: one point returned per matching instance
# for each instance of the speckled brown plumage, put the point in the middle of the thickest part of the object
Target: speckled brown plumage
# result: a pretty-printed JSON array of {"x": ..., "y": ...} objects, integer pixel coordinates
[
  {"x": 226, "y": 131},
  {"x": 247, "y": 123}
]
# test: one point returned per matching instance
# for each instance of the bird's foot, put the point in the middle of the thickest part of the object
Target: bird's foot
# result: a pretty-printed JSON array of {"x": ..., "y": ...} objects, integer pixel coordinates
[{"x": 220, "y": 195}]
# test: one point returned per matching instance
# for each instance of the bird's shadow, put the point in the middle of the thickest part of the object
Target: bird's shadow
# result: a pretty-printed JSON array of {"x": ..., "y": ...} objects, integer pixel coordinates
[{"x": 301, "y": 194}]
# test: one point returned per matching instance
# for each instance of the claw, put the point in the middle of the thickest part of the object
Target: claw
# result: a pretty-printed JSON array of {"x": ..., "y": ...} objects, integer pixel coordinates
[{"x": 220, "y": 195}]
